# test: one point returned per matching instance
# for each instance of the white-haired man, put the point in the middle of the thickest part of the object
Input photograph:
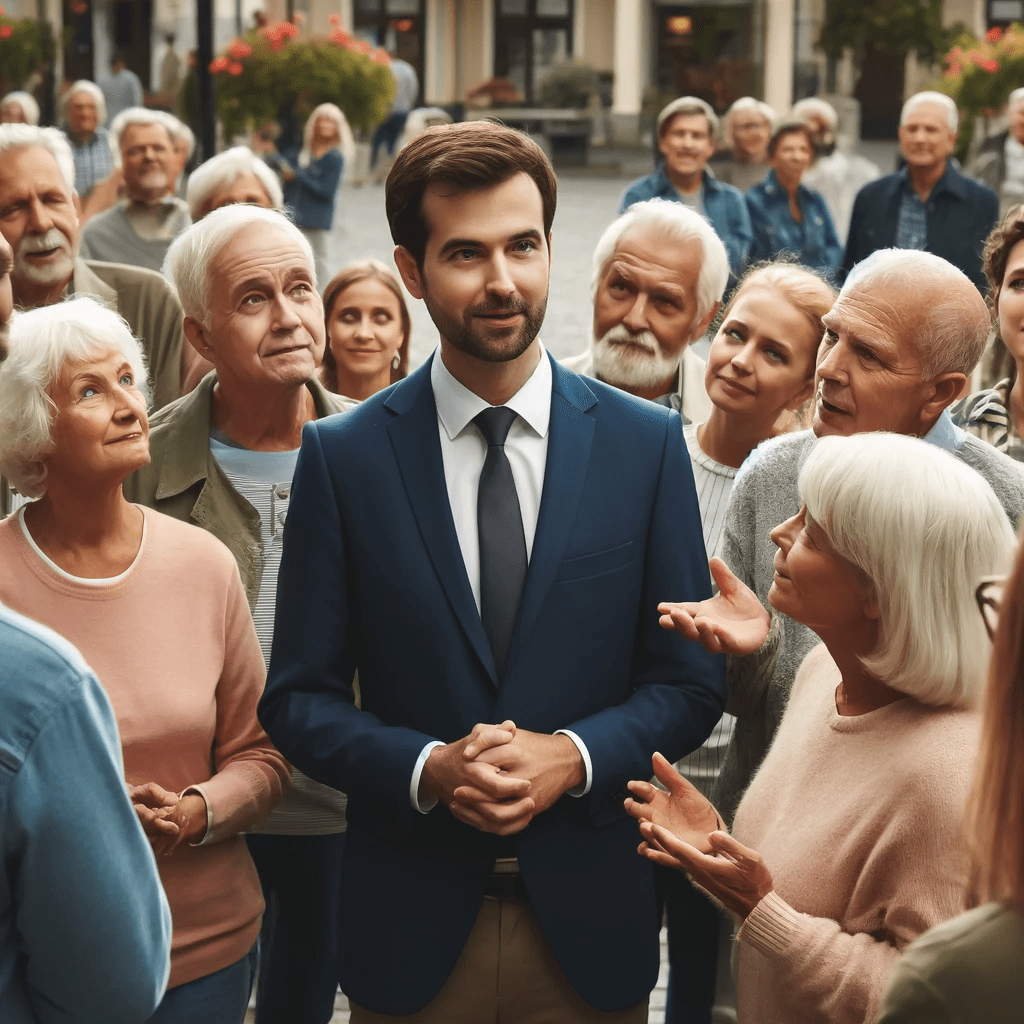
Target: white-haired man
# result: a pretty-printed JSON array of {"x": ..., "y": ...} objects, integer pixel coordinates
[
  {"x": 237, "y": 175},
  {"x": 1000, "y": 159},
  {"x": 85, "y": 112},
  {"x": 900, "y": 343},
  {"x": 658, "y": 278},
  {"x": 223, "y": 458},
  {"x": 139, "y": 229},
  {"x": 928, "y": 204},
  {"x": 39, "y": 222}
]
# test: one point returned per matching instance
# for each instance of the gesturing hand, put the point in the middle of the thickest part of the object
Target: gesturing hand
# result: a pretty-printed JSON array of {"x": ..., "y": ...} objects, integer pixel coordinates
[
  {"x": 683, "y": 810},
  {"x": 732, "y": 622},
  {"x": 168, "y": 819}
]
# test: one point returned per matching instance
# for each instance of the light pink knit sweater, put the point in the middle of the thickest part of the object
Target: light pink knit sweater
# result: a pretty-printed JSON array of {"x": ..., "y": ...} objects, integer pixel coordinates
[{"x": 860, "y": 821}]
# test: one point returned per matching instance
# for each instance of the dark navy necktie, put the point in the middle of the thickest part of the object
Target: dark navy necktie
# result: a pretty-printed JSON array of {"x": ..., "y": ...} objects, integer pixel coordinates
[{"x": 502, "y": 541}]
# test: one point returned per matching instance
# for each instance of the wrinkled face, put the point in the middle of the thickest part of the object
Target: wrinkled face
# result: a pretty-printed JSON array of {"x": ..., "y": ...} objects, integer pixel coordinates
[
  {"x": 100, "y": 431},
  {"x": 6, "y": 295},
  {"x": 869, "y": 375},
  {"x": 148, "y": 161},
  {"x": 82, "y": 115},
  {"x": 762, "y": 359},
  {"x": 793, "y": 155},
  {"x": 11, "y": 112},
  {"x": 1009, "y": 304},
  {"x": 687, "y": 144},
  {"x": 37, "y": 217},
  {"x": 246, "y": 188},
  {"x": 750, "y": 133},
  {"x": 364, "y": 329},
  {"x": 645, "y": 311},
  {"x": 1016, "y": 121},
  {"x": 925, "y": 138},
  {"x": 266, "y": 322}
]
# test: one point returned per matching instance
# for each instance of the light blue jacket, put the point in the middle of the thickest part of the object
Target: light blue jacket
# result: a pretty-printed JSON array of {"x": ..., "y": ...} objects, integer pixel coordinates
[{"x": 85, "y": 930}]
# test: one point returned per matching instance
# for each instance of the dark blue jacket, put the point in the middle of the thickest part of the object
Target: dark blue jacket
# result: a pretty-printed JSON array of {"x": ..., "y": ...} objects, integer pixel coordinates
[
  {"x": 723, "y": 206},
  {"x": 813, "y": 241},
  {"x": 960, "y": 214},
  {"x": 373, "y": 579},
  {"x": 311, "y": 194}
]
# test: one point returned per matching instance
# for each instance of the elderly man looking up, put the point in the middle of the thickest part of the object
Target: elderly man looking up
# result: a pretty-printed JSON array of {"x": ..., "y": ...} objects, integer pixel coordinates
[
  {"x": 237, "y": 175},
  {"x": 85, "y": 111},
  {"x": 658, "y": 278},
  {"x": 900, "y": 343},
  {"x": 928, "y": 204},
  {"x": 223, "y": 458},
  {"x": 140, "y": 228}
]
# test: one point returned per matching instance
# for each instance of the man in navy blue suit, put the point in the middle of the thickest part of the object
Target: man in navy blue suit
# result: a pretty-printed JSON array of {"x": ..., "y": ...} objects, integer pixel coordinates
[{"x": 486, "y": 544}]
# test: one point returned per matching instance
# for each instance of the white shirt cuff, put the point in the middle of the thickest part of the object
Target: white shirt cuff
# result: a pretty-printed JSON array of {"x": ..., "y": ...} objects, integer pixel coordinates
[
  {"x": 209, "y": 811},
  {"x": 588, "y": 767},
  {"x": 414, "y": 784}
]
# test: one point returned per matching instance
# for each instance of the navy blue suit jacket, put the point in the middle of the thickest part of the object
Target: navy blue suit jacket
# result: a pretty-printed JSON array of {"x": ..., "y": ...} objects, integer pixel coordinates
[{"x": 372, "y": 579}]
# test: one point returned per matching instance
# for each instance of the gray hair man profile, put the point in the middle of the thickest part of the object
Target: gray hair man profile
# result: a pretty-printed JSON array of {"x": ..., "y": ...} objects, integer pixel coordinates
[
  {"x": 901, "y": 341},
  {"x": 659, "y": 273}
]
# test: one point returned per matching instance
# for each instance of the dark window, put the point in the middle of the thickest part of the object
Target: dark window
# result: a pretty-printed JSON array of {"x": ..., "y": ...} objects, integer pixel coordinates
[
  {"x": 398, "y": 26},
  {"x": 530, "y": 37}
]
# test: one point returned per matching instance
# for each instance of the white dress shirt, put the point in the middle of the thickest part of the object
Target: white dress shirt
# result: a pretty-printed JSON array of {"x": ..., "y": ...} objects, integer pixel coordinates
[{"x": 463, "y": 450}]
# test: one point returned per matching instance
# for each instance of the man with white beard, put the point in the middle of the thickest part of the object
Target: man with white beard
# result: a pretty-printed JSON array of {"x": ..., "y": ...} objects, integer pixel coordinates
[
  {"x": 659, "y": 275},
  {"x": 140, "y": 228}
]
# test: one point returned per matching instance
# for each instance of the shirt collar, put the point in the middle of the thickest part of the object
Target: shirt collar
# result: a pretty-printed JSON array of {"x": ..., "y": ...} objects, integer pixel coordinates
[
  {"x": 457, "y": 405},
  {"x": 950, "y": 181},
  {"x": 945, "y": 434}
]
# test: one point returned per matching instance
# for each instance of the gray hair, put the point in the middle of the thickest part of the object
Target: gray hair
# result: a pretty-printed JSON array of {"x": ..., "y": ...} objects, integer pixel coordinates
[
  {"x": 1014, "y": 99},
  {"x": 682, "y": 224},
  {"x": 180, "y": 132},
  {"x": 938, "y": 98},
  {"x": 27, "y": 102},
  {"x": 687, "y": 105},
  {"x": 924, "y": 528},
  {"x": 84, "y": 85},
  {"x": 813, "y": 106},
  {"x": 137, "y": 115},
  {"x": 41, "y": 341},
  {"x": 224, "y": 169},
  {"x": 20, "y": 136},
  {"x": 742, "y": 104},
  {"x": 955, "y": 322},
  {"x": 187, "y": 263}
]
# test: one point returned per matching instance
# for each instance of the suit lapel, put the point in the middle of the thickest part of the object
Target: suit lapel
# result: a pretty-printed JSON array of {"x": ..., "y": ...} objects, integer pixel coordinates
[{"x": 414, "y": 438}]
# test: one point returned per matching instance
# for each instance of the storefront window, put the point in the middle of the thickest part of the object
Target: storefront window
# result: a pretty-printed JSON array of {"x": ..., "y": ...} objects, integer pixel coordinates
[
  {"x": 397, "y": 25},
  {"x": 530, "y": 37}
]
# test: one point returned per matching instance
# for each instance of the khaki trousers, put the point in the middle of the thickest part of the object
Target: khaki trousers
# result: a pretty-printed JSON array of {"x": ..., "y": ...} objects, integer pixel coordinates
[{"x": 506, "y": 974}]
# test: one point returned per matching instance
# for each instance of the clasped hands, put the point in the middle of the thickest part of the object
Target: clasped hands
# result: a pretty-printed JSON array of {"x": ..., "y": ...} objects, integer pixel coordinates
[
  {"x": 499, "y": 777},
  {"x": 168, "y": 819}
]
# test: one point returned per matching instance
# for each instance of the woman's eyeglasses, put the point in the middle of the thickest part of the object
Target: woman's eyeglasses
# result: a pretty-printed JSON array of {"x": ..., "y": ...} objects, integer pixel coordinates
[{"x": 989, "y": 595}]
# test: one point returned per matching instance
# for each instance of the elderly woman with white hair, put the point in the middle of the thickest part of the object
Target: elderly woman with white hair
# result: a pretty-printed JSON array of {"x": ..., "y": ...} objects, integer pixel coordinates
[
  {"x": 746, "y": 129},
  {"x": 237, "y": 175},
  {"x": 849, "y": 842},
  {"x": 157, "y": 609},
  {"x": 19, "y": 108}
]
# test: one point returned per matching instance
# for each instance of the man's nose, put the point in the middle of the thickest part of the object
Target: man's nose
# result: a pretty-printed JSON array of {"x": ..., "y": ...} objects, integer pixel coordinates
[
  {"x": 635, "y": 319},
  {"x": 499, "y": 280}
]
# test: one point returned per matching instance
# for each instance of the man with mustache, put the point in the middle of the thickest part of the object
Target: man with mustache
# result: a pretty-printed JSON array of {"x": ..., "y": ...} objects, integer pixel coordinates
[
  {"x": 659, "y": 274},
  {"x": 139, "y": 229}
]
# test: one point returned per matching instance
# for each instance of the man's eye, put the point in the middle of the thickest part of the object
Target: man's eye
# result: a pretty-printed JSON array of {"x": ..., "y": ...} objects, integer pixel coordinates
[
  {"x": 89, "y": 391},
  {"x": 127, "y": 380},
  {"x": 525, "y": 245}
]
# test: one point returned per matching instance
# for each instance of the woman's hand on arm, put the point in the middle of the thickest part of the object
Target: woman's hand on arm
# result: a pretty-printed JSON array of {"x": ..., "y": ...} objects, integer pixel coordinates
[
  {"x": 732, "y": 622},
  {"x": 168, "y": 819}
]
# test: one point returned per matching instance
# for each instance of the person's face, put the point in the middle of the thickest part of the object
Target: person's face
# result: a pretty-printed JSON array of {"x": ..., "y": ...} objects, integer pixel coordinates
[
  {"x": 645, "y": 311},
  {"x": 1009, "y": 305},
  {"x": 1017, "y": 121},
  {"x": 148, "y": 161},
  {"x": 6, "y": 295},
  {"x": 364, "y": 329},
  {"x": 762, "y": 359},
  {"x": 12, "y": 113},
  {"x": 485, "y": 271},
  {"x": 925, "y": 138},
  {"x": 37, "y": 217},
  {"x": 82, "y": 115},
  {"x": 325, "y": 130},
  {"x": 814, "y": 585},
  {"x": 793, "y": 155},
  {"x": 686, "y": 144},
  {"x": 868, "y": 374},
  {"x": 246, "y": 188},
  {"x": 750, "y": 133},
  {"x": 100, "y": 431},
  {"x": 266, "y": 321}
]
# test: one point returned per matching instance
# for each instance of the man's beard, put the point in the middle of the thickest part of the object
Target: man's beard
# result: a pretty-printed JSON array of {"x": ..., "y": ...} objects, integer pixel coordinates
[
  {"x": 639, "y": 364},
  {"x": 153, "y": 179},
  {"x": 488, "y": 343},
  {"x": 56, "y": 270}
]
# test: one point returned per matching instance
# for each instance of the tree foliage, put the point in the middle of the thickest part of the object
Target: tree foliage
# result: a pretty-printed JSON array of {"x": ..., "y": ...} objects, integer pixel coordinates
[
  {"x": 25, "y": 44},
  {"x": 893, "y": 27}
]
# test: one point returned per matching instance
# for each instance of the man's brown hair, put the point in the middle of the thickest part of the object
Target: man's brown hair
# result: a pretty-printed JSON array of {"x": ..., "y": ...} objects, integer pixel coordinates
[{"x": 464, "y": 157}]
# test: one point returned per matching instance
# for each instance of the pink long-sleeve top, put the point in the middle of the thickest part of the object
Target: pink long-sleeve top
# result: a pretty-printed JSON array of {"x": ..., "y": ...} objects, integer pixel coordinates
[
  {"x": 173, "y": 643},
  {"x": 860, "y": 821}
]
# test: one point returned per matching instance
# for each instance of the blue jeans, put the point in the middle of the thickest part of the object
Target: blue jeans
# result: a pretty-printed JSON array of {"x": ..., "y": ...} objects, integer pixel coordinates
[
  {"x": 387, "y": 135},
  {"x": 692, "y": 949},
  {"x": 218, "y": 998}
]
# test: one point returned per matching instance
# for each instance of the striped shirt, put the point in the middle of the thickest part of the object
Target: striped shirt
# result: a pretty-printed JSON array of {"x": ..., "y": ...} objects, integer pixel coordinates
[{"x": 93, "y": 160}]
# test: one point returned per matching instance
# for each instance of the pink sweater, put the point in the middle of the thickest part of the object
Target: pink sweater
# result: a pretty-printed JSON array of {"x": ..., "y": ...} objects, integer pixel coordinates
[
  {"x": 860, "y": 821},
  {"x": 173, "y": 643}
]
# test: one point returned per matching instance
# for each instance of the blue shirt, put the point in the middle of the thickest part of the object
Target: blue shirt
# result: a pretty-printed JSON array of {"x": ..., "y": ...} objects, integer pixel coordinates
[
  {"x": 85, "y": 930},
  {"x": 93, "y": 160},
  {"x": 310, "y": 195},
  {"x": 813, "y": 241},
  {"x": 912, "y": 229},
  {"x": 724, "y": 209}
]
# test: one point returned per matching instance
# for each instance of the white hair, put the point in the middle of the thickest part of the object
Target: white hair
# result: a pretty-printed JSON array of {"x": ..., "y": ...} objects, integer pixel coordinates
[
  {"x": 21, "y": 136},
  {"x": 938, "y": 98},
  {"x": 742, "y": 104},
  {"x": 84, "y": 85},
  {"x": 812, "y": 106},
  {"x": 688, "y": 105},
  {"x": 187, "y": 263},
  {"x": 41, "y": 341},
  {"x": 346, "y": 140},
  {"x": 137, "y": 115},
  {"x": 28, "y": 105},
  {"x": 953, "y": 329},
  {"x": 1014, "y": 99},
  {"x": 924, "y": 528},
  {"x": 223, "y": 170},
  {"x": 179, "y": 131},
  {"x": 682, "y": 224}
]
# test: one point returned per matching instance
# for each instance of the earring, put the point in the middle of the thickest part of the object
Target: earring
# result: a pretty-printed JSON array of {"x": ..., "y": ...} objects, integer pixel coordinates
[{"x": 396, "y": 362}]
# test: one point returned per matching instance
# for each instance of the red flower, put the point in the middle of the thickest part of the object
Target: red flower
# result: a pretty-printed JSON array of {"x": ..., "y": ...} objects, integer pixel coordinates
[
  {"x": 6, "y": 31},
  {"x": 238, "y": 49},
  {"x": 219, "y": 64},
  {"x": 985, "y": 63},
  {"x": 235, "y": 69},
  {"x": 341, "y": 37},
  {"x": 361, "y": 46},
  {"x": 335, "y": 19},
  {"x": 993, "y": 35},
  {"x": 381, "y": 57}
]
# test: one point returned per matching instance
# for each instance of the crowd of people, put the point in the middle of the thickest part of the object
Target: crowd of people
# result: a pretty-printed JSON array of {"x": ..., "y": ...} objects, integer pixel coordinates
[{"x": 448, "y": 685}]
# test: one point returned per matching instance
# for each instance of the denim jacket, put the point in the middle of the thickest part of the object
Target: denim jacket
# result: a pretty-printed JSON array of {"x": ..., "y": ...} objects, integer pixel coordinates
[{"x": 310, "y": 195}]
